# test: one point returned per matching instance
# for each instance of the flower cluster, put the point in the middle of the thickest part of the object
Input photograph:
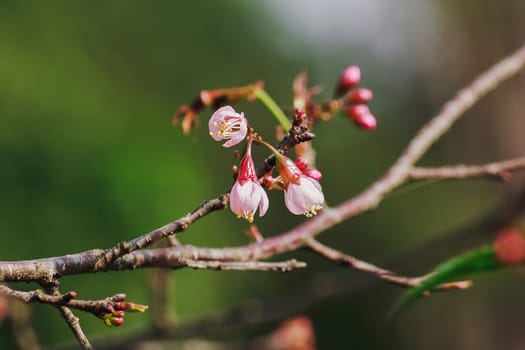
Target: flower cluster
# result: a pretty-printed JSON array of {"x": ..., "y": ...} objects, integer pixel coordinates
[{"x": 302, "y": 192}]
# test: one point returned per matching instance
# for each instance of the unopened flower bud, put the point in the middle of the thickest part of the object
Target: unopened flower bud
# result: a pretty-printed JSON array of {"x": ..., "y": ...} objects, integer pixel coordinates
[
  {"x": 313, "y": 173},
  {"x": 366, "y": 121},
  {"x": 119, "y": 313},
  {"x": 295, "y": 333},
  {"x": 509, "y": 247},
  {"x": 356, "y": 110},
  {"x": 132, "y": 307},
  {"x": 349, "y": 78},
  {"x": 301, "y": 163},
  {"x": 117, "y": 321},
  {"x": 362, "y": 116},
  {"x": 110, "y": 320},
  {"x": 362, "y": 95}
]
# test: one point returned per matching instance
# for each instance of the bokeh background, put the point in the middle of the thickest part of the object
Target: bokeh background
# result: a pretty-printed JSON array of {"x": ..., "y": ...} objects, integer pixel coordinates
[{"x": 89, "y": 156}]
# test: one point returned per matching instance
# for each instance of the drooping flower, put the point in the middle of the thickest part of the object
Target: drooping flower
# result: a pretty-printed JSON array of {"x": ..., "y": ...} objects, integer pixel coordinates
[
  {"x": 247, "y": 193},
  {"x": 226, "y": 124},
  {"x": 302, "y": 193}
]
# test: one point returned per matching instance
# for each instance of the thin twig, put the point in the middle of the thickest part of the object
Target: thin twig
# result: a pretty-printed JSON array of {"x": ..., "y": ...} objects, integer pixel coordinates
[
  {"x": 96, "y": 307},
  {"x": 381, "y": 273},
  {"x": 72, "y": 321},
  {"x": 500, "y": 169},
  {"x": 74, "y": 324}
]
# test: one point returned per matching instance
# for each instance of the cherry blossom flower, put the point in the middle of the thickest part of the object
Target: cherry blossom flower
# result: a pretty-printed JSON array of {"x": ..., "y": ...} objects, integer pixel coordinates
[
  {"x": 226, "y": 124},
  {"x": 302, "y": 193},
  {"x": 247, "y": 194}
]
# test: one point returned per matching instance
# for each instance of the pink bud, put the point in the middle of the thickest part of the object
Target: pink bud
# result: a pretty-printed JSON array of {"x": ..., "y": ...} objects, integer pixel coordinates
[
  {"x": 313, "y": 173},
  {"x": 301, "y": 163},
  {"x": 117, "y": 321},
  {"x": 119, "y": 313},
  {"x": 348, "y": 79},
  {"x": 366, "y": 121},
  {"x": 509, "y": 247},
  {"x": 362, "y": 116},
  {"x": 362, "y": 95},
  {"x": 295, "y": 333},
  {"x": 300, "y": 114},
  {"x": 357, "y": 110}
]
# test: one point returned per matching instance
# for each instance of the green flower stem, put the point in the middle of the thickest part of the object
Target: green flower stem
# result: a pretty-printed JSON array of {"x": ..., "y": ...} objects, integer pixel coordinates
[
  {"x": 269, "y": 103},
  {"x": 275, "y": 152}
]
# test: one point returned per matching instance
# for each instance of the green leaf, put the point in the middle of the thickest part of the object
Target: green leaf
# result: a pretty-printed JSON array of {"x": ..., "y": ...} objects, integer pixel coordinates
[{"x": 459, "y": 267}]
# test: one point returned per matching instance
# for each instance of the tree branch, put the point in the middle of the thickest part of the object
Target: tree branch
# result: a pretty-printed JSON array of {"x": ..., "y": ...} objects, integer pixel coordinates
[
  {"x": 500, "y": 170},
  {"x": 131, "y": 254}
]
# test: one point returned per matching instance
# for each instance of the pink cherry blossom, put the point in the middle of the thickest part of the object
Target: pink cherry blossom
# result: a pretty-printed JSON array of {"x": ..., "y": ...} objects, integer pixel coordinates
[
  {"x": 247, "y": 194},
  {"x": 302, "y": 193},
  {"x": 305, "y": 197},
  {"x": 226, "y": 124}
]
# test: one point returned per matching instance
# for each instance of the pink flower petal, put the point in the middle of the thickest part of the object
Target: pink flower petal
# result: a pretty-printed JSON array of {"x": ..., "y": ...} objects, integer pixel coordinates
[
  {"x": 304, "y": 198},
  {"x": 226, "y": 124}
]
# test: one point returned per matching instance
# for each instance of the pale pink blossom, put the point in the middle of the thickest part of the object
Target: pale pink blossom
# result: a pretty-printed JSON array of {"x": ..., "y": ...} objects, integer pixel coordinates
[
  {"x": 226, "y": 124},
  {"x": 305, "y": 197},
  {"x": 302, "y": 194},
  {"x": 247, "y": 194}
]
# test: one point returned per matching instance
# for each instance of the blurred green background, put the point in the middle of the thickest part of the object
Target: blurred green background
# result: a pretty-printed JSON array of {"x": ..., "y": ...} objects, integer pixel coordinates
[{"x": 90, "y": 158}]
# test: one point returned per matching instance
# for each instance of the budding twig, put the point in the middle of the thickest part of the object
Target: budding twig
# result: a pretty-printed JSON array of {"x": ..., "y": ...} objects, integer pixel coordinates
[{"x": 46, "y": 271}]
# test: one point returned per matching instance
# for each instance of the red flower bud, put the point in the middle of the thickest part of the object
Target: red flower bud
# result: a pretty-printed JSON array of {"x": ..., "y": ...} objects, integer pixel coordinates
[
  {"x": 362, "y": 116},
  {"x": 313, "y": 173},
  {"x": 119, "y": 313},
  {"x": 117, "y": 321},
  {"x": 509, "y": 247},
  {"x": 357, "y": 110},
  {"x": 349, "y": 78},
  {"x": 301, "y": 163},
  {"x": 362, "y": 95},
  {"x": 295, "y": 333},
  {"x": 366, "y": 121}
]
